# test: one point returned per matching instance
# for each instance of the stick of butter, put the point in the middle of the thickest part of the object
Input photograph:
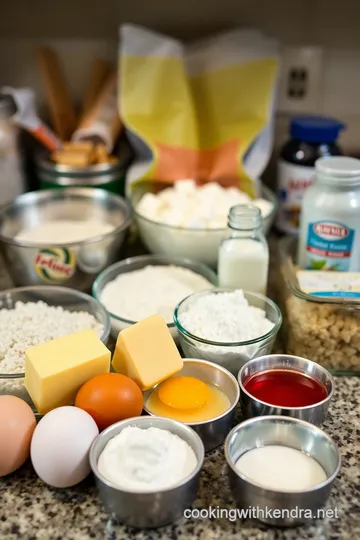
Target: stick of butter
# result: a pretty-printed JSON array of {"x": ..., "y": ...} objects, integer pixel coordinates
[
  {"x": 329, "y": 284},
  {"x": 55, "y": 371},
  {"x": 146, "y": 352}
]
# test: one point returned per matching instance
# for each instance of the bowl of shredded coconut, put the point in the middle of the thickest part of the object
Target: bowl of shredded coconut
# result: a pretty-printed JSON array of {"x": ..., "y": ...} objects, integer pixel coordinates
[
  {"x": 33, "y": 315},
  {"x": 139, "y": 287},
  {"x": 62, "y": 236},
  {"x": 227, "y": 326},
  {"x": 186, "y": 220}
]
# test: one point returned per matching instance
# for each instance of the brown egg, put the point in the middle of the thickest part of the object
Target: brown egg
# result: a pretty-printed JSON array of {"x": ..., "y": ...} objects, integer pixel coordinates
[
  {"x": 17, "y": 424},
  {"x": 109, "y": 398}
]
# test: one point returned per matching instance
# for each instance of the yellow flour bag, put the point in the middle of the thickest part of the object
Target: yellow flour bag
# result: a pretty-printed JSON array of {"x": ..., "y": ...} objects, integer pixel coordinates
[{"x": 203, "y": 111}]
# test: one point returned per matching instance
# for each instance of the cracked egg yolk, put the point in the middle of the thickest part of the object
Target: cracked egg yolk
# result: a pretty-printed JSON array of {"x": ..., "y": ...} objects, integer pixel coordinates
[{"x": 183, "y": 393}]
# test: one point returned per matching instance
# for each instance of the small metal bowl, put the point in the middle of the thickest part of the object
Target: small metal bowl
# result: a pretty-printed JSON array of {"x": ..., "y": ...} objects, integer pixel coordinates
[
  {"x": 289, "y": 506},
  {"x": 132, "y": 264},
  {"x": 252, "y": 406},
  {"x": 214, "y": 431},
  {"x": 151, "y": 509},
  {"x": 76, "y": 264}
]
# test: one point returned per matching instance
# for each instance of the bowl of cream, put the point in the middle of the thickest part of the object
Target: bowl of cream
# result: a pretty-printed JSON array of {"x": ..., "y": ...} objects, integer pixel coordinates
[
  {"x": 147, "y": 470},
  {"x": 284, "y": 468}
]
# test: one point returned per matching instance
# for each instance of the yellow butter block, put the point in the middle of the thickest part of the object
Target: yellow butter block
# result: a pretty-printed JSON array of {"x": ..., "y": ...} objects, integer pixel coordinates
[
  {"x": 55, "y": 371},
  {"x": 146, "y": 352}
]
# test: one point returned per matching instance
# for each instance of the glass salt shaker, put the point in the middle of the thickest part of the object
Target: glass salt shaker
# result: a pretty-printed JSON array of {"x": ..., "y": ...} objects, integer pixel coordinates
[{"x": 243, "y": 261}]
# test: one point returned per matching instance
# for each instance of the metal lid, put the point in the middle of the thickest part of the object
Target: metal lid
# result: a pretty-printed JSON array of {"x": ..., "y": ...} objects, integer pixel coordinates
[{"x": 7, "y": 106}]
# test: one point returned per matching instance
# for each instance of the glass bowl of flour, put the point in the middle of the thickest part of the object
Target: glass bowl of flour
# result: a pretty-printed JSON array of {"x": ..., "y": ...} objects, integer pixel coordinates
[
  {"x": 62, "y": 236},
  {"x": 227, "y": 326},
  {"x": 138, "y": 287}
]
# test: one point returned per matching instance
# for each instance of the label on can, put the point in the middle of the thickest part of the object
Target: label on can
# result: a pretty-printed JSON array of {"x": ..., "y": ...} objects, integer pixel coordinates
[
  {"x": 55, "y": 264},
  {"x": 329, "y": 245},
  {"x": 293, "y": 180}
]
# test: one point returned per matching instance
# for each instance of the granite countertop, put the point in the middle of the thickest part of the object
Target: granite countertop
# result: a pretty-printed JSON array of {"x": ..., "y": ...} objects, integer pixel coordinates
[{"x": 31, "y": 510}]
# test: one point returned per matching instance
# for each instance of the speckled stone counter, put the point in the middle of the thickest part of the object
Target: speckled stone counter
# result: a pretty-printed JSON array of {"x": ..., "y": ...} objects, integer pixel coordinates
[{"x": 30, "y": 510}]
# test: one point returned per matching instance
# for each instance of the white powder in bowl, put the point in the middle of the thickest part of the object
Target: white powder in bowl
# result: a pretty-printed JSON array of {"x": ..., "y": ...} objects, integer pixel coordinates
[
  {"x": 64, "y": 231},
  {"x": 224, "y": 317},
  {"x": 146, "y": 460},
  {"x": 151, "y": 290}
]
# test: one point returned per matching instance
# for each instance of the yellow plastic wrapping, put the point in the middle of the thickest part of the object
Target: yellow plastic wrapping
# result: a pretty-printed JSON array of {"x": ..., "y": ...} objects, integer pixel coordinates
[{"x": 203, "y": 111}]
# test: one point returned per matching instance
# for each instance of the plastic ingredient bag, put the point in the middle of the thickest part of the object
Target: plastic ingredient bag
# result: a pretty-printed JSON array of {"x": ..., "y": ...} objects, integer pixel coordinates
[{"x": 203, "y": 111}]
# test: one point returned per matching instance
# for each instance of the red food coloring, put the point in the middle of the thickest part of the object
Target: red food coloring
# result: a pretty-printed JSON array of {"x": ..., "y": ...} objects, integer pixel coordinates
[{"x": 285, "y": 388}]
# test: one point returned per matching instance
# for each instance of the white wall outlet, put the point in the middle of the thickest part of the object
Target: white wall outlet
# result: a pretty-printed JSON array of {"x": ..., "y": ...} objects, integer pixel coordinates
[{"x": 301, "y": 80}]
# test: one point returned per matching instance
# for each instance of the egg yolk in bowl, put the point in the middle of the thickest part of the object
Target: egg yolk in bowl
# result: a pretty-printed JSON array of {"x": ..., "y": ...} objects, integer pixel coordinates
[{"x": 187, "y": 399}]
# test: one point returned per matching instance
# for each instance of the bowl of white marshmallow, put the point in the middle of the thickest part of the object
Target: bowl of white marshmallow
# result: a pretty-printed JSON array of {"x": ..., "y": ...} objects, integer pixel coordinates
[{"x": 187, "y": 220}]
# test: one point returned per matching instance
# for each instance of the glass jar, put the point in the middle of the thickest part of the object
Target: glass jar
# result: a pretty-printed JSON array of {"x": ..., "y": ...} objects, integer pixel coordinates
[
  {"x": 322, "y": 329},
  {"x": 312, "y": 137},
  {"x": 12, "y": 181},
  {"x": 330, "y": 221},
  {"x": 244, "y": 253}
]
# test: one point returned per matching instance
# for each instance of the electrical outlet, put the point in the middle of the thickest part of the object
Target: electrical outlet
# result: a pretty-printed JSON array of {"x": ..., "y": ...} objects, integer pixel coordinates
[{"x": 301, "y": 80}]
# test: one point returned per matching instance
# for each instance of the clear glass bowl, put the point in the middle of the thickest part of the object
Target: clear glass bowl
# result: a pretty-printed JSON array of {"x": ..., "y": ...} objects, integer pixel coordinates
[
  {"x": 69, "y": 299},
  {"x": 137, "y": 263},
  {"x": 200, "y": 245},
  {"x": 325, "y": 330},
  {"x": 234, "y": 355}
]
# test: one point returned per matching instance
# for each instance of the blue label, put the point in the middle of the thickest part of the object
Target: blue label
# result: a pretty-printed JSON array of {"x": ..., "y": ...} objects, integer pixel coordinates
[
  {"x": 336, "y": 294},
  {"x": 329, "y": 246}
]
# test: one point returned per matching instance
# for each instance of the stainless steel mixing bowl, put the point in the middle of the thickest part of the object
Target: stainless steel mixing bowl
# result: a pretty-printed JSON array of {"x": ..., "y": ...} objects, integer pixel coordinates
[{"x": 75, "y": 264}]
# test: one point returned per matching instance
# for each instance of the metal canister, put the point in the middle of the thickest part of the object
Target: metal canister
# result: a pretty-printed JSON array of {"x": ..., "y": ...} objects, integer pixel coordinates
[{"x": 108, "y": 176}]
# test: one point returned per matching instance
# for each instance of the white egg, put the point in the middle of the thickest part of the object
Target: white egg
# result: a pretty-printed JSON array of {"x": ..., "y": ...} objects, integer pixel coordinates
[{"x": 60, "y": 446}]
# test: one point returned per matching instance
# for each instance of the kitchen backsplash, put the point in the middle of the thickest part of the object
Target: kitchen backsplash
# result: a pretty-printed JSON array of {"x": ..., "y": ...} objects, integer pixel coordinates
[{"x": 88, "y": 28}]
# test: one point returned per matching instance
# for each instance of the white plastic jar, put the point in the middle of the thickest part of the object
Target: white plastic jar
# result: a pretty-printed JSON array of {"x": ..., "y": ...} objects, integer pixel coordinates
[{"x": 330, "y": 220}]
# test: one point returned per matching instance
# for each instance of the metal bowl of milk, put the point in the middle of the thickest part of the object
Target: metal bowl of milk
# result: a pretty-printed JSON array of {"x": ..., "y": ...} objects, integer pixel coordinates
[
  {"x": 281, "y": 469},
  {"x": 62, "y": 236}
]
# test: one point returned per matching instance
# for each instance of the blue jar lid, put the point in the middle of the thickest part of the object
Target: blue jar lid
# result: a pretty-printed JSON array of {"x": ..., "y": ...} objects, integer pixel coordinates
[{"x": 315, "y": 129}]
